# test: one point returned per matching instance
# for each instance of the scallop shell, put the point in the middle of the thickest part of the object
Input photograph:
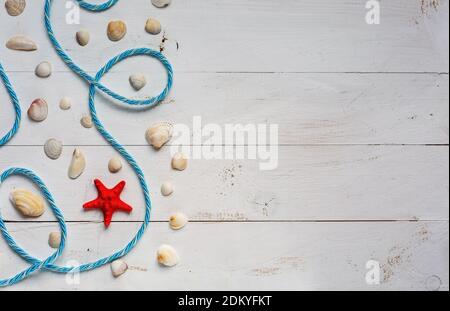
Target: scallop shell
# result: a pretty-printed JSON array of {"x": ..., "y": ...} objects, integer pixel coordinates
[
  {"x": 54, "y": 239},
  {"x": 15, "y": 7},
  {"x": 167, "y": 256},
  {"x": 179, "y": 161},
  {"x": 116, "y": 30},
  {"x": 177, "y": 221},
  {"x": 153, "y": 26},
  {"x": 53, "y": 148},
  {"x": 38, "y": 110},
  {"x": 115, "y": 165},
  {"x": 65, "y": 103},
  {"x": 138, "y": 81},
  {"x": 159, "y": 134},
  {"x": 21, "y": 43},
  {"x": 118, "y": 267},
  {"x": 86, "y": 121},
  {"x": 43, "y": 70},
  {"x": 28, "y": 203},
  {"x": 166, "y": 188},
  {"x": 161, "y": 3},
  {"x": 83, "y": 37},
  {"x": 77, "y": 165}
]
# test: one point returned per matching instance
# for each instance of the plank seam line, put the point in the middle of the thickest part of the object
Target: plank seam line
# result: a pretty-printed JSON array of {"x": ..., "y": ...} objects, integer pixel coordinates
[
  {"x": 262, "y": 145},
  {"x": 239, "y": 221}
]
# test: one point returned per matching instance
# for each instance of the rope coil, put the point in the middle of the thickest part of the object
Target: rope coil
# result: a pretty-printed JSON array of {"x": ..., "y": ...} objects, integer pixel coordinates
[{"x": 94, "y": 84}]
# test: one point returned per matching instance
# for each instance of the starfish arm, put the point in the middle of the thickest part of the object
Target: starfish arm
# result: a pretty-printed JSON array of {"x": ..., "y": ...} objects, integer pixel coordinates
[
  {"x": 121, "y": 205},
  {"x": 100, "y": 186},
  {"x": 92, "y": 204},
  {"x": 107, "y": 216},
  {"x": 119, "y": 187}
]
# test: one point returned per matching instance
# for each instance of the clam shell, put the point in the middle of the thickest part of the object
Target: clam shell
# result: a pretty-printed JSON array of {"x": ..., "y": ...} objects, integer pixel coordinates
[
  {"x": 153, "y": 26},
  {"x": 161, "y": 3},
  {"x": 65, "y": 103},
  {"x": 53, "y": 148},
  {"x": 118, "y": 267},
  {"x": 28, "y": 203},
  {"x": 116, "y": 30},
  {"x": 54, "y": 239},
  {"x": 159, "y": 134},
  {"x": 179, "y": 161},
  {"x": 86, "y": 121},
  {"x": 138, "y": 81},
  {"x": 177, "y": 221},
  {"x": 83, "y": 37},
  {"x": 115, "y": 165},
  {"x": 77, "y": 165},
  {"x": 167, "y": 256},
  {"x": 38, "y": 110},
  {"x": 166, "y": 188},
  {"x": 21, "y": 43},
  {"x": 43, "y": 70},
  {"x": 15, "y": 7}
]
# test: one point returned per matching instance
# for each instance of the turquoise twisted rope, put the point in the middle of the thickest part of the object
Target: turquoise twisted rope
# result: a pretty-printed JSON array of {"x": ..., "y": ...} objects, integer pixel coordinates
[{"x": 94, "y": 84}]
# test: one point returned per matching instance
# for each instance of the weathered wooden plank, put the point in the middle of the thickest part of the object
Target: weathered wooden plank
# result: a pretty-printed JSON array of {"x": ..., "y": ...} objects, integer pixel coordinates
[
  {"x": 310, "y": 183},
  {"x": 308, "y": 108},
  {"x": 249, "y": 256},
  {"x": 247, "y": 35}
]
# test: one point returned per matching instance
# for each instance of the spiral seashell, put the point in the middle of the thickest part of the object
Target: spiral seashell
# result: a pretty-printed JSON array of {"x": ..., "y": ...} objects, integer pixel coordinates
[
  {"x": 38, "y": 110},
  {"x": 28, "y": 203},
  {"x": 159, "y": 134},
  {"x": 21, "y": 43},
  {"x": 15, "y": 7},
  {"x": 167, "y": 256},
  {"x": 53, "y": 148}
]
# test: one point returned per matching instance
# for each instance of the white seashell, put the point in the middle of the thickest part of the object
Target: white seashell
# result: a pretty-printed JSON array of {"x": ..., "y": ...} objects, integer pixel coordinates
[
  {"x": 86, "y": 121},
  {"x": 159, "y": 134},
  {"x": 83, "y": 37},
  {"x": 53, "y": 148},
  {"x": 161, "y": 3},
  {"x": 178, "y": 221},
  {"x": 28, "y": 203},
  {"x": 38, "y": 110},
  {"x": 54, "y": 239},
  {"x": 21, "y": 43},
  {"x": 179, "y": 162},
  {"x": 167, "y": 256},
  {"x": 116, "y": 30},
  {"x": 138, "y": 81},
  {"x": 153, "y": 26},
  {"x": 43, "y": 70},
  {"x": 15, "y": 7},
  {"x": 77, "y": 165},
  {"x": 166, "y": 188},
  {"x": 118, "y": 268},
  {"x": 115, "y": 165},
  {"x": 65, "y": 103}
]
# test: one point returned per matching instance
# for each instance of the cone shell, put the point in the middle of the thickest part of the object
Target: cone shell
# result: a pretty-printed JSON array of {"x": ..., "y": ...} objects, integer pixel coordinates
[
  {"x": 28, "y": 203},
  {"x": 116, "y": 30},
  {"x": 159, "y": 134},
  {"x": 38, "y": 110},
  {"x": 15, "y": 7},
  {"x": 21, "y": 43},
  {"x": 167, "y": 256},
  {"x": 77, "y": 165}
]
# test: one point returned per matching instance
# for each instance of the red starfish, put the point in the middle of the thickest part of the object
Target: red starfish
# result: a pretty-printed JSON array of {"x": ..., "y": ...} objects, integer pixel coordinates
[{"x": 108, "y": 201}]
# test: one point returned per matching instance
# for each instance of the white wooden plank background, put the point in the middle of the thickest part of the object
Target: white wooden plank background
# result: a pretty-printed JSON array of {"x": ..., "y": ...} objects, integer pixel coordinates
[{"x": 363, "y": 145}]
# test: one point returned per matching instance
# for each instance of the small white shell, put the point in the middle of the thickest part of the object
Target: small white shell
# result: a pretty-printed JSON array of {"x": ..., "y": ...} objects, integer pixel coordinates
[
  {"x": 15, "y": 7},
  {"x": 21, "y": 43},
  {"x": 54, "y": 239},
  {"x": 38, "y": 110},
  {"x": 161, "y": 3},
  {"x": 28, "y": 203},
  {"x": 159, "y": 134},
  {"x": 179, "y": 162},
  {"x": 77, "y": 165},
  {"x": 138, "y": 81},
  {"x": 118, "y": 268},
  {"x": 83, "y": 37},
  {"x": 43, "y": 70},
  {"x": 86, "y": 121},
  {"x": 178, "y": 221},
  {"x": 167, "y": 256},
  {"x": 65, "y": 103},
  {"x": 166, "y": 188},
  {"x": 115, "y": 165},
  {"x": 153, "y": 26},
  {"x": 116, "y": 30},
  {"x": 53, "y": 148}
]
